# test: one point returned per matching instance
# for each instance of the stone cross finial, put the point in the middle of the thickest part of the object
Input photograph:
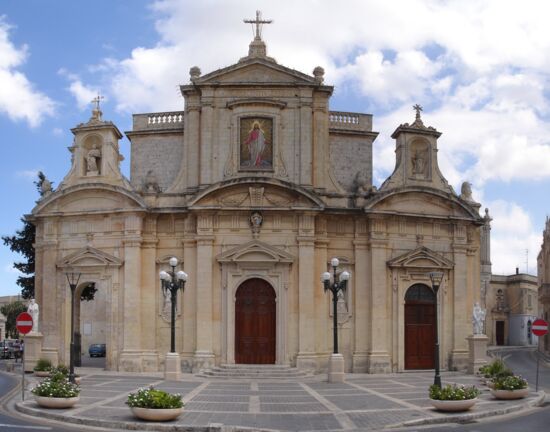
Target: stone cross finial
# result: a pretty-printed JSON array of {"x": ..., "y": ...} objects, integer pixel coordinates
[
  {"x": 96, "y": 100},
  {"x": 417, "y": 108},
  {"x": 258, "y": 21}
]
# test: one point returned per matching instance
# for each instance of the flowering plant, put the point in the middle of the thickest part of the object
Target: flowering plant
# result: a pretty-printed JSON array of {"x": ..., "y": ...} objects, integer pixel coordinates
[
  {"x": 43, "y": 365},
  {"x": 453, "y": 392},
  {"x": 514, "y": 382},
  {"x": 57, "y": 386},
  {"x": 155, "y": 399}
]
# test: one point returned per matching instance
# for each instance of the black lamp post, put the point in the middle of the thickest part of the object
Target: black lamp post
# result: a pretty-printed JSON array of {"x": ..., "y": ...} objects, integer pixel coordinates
[
  {"x": 172, "y": 281},
  {"x": 339, "y": 283},
  {"x": 436, "y": 278},
  {"x": 72, "y": 278}
]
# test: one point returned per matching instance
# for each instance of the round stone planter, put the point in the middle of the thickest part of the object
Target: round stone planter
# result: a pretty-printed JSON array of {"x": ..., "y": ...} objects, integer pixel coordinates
[
  {"x": 42, "y": 374},
  {"x": 453, "y": 405},
  {"x": 51, "y": 402},
  {"x": 490, "y": 384},
  {"x": 151, "y": 414},
  {"x": 510, "y": 394}
]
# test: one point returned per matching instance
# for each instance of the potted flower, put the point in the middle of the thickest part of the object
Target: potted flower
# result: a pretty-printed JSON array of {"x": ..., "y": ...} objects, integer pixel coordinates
[
  {"x": 453, "y": 397},
  {"x": 493, "y": 370},
  {"x": 42, "y": 368},
  {"x": 56, "y": 392},
  {"x": 155, "y": 405},
  {"x": 510, "y": 387},
  {"x": 62, "y": 369}
]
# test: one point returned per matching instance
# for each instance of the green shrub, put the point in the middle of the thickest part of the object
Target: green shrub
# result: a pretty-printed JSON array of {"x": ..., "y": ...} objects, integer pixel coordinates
[
  {"x": 453, "y": 392},
  {"x": 43, "y": 365},
  {"x": 514, "y": 382},
  {"x": 153, "y": 398},
  {"x": 495, "y": 368},
  {"x": 56, "y": 386},
  {"x": 61, "y": 368}
]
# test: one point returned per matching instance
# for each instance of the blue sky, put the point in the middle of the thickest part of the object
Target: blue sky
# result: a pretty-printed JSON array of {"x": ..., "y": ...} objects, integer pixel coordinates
[{"x": 479, "y": 68}]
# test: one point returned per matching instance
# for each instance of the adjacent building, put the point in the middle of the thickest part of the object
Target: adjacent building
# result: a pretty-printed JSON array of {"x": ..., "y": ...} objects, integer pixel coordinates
[{"x": 543, "y": 267}]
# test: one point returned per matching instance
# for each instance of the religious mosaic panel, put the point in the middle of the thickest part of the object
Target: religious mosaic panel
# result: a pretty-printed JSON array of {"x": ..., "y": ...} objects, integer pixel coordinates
[{"x": 256, "y": 143}]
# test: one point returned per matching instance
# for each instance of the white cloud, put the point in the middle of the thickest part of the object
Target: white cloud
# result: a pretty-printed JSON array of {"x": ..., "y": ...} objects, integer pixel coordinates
[
  {"x": 512, "y": 235},
  {"x": 9, "y": 268},
  {"x": 28, "y": 174},
  {"x": 19, "y": 100},
  {"x": 57, "y": 132}
]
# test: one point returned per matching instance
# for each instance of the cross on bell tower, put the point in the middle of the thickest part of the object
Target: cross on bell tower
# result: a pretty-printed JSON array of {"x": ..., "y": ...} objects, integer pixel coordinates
[
  {"x": 96, "y": 112},
  {"x": 258, "y": 21}
]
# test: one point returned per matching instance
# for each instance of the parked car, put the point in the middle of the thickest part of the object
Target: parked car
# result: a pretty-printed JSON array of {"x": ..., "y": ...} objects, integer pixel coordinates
[
  {"x": 8, "y": 348},
  {"x": 97, "y": 350}
]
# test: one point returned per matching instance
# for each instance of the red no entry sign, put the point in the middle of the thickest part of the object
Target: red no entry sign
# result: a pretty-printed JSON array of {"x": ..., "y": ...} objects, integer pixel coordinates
[
  {"x": 23, "y": 322},
  {"x": 539, "y": 327}
]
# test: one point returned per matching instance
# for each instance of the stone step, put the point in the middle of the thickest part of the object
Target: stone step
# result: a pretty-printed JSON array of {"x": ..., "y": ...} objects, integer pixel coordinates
[{"x": 239, "y": 371}]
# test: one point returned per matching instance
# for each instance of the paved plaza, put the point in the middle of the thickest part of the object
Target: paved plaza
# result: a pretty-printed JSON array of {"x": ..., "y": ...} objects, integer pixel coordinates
[{"x": 363, "y": 402}]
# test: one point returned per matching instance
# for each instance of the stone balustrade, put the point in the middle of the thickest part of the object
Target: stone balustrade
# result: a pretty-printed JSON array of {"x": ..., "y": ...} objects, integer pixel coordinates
[
  {"x": 350, "y": 121},
  {"x": 161, "y": 120}
]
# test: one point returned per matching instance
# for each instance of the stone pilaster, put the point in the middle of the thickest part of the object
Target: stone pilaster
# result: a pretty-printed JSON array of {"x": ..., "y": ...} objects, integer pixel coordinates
[
  {"x": 320, "y": 142},
  {"x": 50, "y": 316},
  {"x": 206, "y": 144},
  {"x": 191, "y": 139},
  {"x": 306, "y": 152},
  {"x": 361, "y": 306},
  {"x": 461, "y": 321},
  {"x": 189, "y": 301},
  {"x": 150, "y": 288}
]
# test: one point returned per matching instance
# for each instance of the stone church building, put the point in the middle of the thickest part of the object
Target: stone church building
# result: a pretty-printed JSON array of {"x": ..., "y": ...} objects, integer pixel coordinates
[{"x": 254, "y": 186}]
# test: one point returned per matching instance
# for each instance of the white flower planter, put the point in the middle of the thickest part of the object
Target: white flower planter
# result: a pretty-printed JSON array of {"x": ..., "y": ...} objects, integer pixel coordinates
[
  {"x": 453, "y": 405},
  {"x": 51, "y": 402},
  {"x": 151, "y": 414},
  {"x": 510, "y": 394},
  {"x": 42, "y": 374}
]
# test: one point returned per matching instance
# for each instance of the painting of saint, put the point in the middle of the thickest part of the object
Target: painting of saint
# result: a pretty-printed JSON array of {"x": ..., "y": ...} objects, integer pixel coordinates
[{"x": 256, "y": 149}]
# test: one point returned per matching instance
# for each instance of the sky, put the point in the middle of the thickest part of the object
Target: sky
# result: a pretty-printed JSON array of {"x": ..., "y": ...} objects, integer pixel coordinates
[{"x": 480, "y": 69}]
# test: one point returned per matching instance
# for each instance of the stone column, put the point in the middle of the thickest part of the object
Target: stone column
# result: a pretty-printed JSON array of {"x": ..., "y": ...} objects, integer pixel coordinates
[
  {"x": 51, "y": 318},
  {"x": 130, "y": 358},
  {"x": 306, "y": 151},
  {"x": 462, "y": 312},
  {"x": 361, "y": 306},
  {"x": 150, "y": 289},
  {"x": 378, "y": 359},
  {"x": 320, "y": 142},
  {"x": 191, "y": 139},
  {"x": 204, "y": 356},
  {"x": 307, "y": 358}
]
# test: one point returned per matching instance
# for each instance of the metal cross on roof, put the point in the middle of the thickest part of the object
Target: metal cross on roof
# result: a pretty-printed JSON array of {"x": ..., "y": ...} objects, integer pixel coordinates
[
  {"x": 417, "y": 108},
  {"x": 258, "y": 21},
  {"x": 97, "y": 99}
]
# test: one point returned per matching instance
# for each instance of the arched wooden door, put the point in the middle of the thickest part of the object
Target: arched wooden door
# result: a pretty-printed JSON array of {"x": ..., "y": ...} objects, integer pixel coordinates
[
  {"x": 420, "y": 325},
  {"x": 255, "y": 322}
]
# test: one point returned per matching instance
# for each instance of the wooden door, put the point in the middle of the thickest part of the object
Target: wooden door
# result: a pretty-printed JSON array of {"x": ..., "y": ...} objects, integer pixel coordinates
[
  {"x": 500, "y": 332},
  {"x": 419, "y": 327},
  {"x": 255, "y": 323}
]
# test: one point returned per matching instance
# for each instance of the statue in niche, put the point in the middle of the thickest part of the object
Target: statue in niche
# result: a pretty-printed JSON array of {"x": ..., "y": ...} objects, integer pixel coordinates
[
  {"x": 92, "y": 160},
  {"x": 419, "y": 163},
  {"x": 478, "y": 319},
  {"x": 256, "y": 220}
]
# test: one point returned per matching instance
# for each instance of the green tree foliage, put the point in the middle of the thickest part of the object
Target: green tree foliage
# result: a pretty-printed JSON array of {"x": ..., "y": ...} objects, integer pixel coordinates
[{"x": 10, "y": 311}]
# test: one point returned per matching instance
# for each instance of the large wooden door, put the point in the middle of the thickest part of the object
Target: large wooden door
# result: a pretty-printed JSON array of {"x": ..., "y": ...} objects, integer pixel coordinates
[
  {"x": 255, "y": 323},
  {"x": 419, "y": 327}
]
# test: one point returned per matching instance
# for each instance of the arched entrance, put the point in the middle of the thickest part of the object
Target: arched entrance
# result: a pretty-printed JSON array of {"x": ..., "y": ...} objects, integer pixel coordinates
[
  {"x": 420, "y": 304},
  {"x": 255, "y": 323}
]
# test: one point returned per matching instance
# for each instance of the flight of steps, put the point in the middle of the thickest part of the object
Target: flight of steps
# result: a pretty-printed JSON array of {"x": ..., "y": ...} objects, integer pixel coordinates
[{"x": 246, "y": 371}]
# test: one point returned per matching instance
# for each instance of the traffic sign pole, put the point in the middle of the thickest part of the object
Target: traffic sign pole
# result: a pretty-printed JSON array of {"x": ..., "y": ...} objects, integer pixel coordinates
[
  {"x": 539, "y": 328},
  {"x": 24, "y": 325}
]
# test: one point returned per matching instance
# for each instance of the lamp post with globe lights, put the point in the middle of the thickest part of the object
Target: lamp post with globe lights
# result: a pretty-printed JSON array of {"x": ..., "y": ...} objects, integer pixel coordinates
[
  {"x": 436, "y": 278},
  {"x": 339, "y": 283},
  {"x": 171, "y": 282},
  {"x": 72, "y": 278}
]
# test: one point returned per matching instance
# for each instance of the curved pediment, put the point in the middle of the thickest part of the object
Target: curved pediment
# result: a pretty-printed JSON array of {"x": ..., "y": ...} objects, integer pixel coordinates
[
  {"x": 421, "y": 258},
  {"x": 254, "y": 193},
  {"x": 89, "y": 257},
  {"x": 421, "y": 202},
  {"x": 255, "y": 251},
  {"x": 89, "y": 198}
]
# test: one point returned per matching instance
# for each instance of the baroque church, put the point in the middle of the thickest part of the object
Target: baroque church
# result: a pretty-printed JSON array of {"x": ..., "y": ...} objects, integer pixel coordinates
[{"x": 254, "y": 186}]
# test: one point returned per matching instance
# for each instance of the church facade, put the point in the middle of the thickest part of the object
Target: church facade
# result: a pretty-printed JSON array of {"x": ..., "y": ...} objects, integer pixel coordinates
[{"x": 254, "y": 186}]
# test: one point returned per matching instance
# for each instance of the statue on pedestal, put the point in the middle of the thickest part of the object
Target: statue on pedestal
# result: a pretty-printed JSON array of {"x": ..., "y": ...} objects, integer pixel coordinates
[
  {"x": 478, "y": 319},
  {"x": 34, "y": 311}
]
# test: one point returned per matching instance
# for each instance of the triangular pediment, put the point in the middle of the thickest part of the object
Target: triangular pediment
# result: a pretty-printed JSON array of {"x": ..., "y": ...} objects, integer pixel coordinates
[
  {"x": 255, "y": 251},
  {"x": 89, "y": 257},
  {"x": 255, "y": 71},
  {"x": 421, "y": 258}
]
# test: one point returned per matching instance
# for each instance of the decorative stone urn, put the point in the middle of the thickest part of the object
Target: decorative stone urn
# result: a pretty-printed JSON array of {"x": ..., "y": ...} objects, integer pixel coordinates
[
  {"x": 510, "y": 394},
  {"x": 453, "y": 405},
  {"x": 152, "y": 414},
  {"x": 51, "y": 402}
]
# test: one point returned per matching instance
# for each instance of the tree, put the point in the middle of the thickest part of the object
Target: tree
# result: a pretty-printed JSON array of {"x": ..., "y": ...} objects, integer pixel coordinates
[{"x": 10, "y": 311}]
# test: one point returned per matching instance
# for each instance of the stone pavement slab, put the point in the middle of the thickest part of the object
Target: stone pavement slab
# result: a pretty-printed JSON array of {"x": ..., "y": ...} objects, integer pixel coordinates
[{"x": 362, "y": 402}]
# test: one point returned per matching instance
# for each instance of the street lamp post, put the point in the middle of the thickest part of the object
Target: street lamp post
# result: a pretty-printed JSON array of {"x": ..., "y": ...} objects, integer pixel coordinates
[
  {"x": 72, "y": 278},
  {"x": 339, "y": 283},
  {"x": 171, "y": 282},
  {"x": 436, "y": 278}
]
